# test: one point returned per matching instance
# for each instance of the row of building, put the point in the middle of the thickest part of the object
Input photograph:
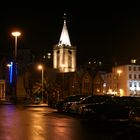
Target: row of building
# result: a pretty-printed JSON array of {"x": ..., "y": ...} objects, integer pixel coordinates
[{"x": 123, "y": 80}]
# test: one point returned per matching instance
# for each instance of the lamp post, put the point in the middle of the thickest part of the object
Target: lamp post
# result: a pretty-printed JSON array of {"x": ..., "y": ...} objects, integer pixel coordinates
[
  {"x": 119, "y": 73},
  {"x": 15, "y": 34},
  {"x": 40, "y": 67}
]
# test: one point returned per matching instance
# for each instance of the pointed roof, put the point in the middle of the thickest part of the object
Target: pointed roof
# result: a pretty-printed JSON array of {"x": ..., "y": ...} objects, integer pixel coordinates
[{"x": 64, "y": 38}]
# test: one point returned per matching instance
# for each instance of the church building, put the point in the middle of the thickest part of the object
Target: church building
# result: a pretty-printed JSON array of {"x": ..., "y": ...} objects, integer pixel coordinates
[{"x": 64, "y": 54}]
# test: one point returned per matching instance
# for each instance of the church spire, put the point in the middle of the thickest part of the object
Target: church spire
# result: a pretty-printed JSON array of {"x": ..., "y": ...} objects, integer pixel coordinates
[{"x": 64, "y": 38}]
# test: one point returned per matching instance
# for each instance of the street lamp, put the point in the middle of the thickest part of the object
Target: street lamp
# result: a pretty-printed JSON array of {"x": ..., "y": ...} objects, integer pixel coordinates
[
  {"x": 15, "y": 34},
  {"x": 40, "y": 67},
  {"x": 119, "y": 73}
]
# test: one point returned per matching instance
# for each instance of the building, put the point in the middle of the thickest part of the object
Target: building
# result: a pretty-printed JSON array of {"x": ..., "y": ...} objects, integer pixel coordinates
[
  {"x": 99, "y": 83},
  {"x": 124, "y": 80},
  {"x": 64, "y": 54},
  {"x": 2, "y": 89}
]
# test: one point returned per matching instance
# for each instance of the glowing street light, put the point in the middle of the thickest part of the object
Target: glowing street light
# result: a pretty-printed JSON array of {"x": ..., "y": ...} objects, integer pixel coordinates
[
  {"x": 119, "y": 73},
  {"x": 15, "y": 34},
  {"x": 40, "y": 67}
]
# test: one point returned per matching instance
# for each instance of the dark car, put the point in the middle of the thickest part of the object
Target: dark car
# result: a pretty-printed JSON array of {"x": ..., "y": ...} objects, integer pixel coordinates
[
  {"x": 103, "y": 111},
  {"x": 116, "y": 109},
  {"x": 134, "y": 117},
  {"x": 89, "y": 100},
  {"x": 63, "y": 105}
]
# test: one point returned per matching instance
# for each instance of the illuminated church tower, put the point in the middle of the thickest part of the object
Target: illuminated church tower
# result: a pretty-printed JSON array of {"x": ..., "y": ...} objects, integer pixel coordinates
[{"x": 64, "y": 54}]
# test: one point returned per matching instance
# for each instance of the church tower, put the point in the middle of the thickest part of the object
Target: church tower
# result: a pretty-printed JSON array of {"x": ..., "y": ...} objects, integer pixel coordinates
[{"x": 64, "y": 54}]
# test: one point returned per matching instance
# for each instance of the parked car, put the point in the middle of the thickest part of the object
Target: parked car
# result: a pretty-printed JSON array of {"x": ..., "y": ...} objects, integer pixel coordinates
[
  {"x": 104, "y": 111},
  {"x": 128, "y": 101},
  {"x": 63, "y": 105},
  {"x": 89, "y": 100},
  {"x": 134, "y": 117},
  {"x": 117, "y": 108},
  {"x": 73, "y": 99}
]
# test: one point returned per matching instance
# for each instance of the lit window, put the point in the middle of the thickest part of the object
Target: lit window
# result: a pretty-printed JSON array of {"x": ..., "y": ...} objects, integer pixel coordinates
[
  {"x": 130, "y": 84},
  {"x": 135, "y": 84}
]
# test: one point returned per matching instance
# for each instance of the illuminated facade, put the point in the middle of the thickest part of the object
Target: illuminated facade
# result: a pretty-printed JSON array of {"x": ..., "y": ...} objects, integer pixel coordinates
[
  {"x": 64, "y": 54},
  {"x": 124, "y": 80}
]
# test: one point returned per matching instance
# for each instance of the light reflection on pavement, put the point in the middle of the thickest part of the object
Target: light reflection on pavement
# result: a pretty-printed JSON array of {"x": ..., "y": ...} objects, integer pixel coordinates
[{"x": 34, "y": 123}]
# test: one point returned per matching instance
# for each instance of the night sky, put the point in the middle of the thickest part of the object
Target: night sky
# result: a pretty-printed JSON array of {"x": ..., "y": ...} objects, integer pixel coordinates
[{"x": 101, "y": 31}]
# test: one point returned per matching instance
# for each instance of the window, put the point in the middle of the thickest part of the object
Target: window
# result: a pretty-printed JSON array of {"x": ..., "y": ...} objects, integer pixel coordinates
[
  {"x": 130, "y": 84},
  {"x": 130, "y": 76},
  {"x": 69, "y": 61},
  {"x": 69, "y": 52},
  {"x": 135, "y": 84},
  {"x": 134, "y": 68},
  {"x": 129, "y": 68},
  {"x": 135, "y": 77}
]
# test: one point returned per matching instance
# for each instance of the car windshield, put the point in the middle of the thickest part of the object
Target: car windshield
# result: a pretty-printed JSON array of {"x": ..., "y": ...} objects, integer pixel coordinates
[
  {"x": 75, "y": 98},
  {"x": 93, "y": 99}
]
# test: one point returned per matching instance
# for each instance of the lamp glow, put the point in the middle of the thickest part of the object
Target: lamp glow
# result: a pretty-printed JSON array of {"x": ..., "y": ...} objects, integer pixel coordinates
[
  {"x": 16, "y": 33},
  {"x": 40, "y": 67}
]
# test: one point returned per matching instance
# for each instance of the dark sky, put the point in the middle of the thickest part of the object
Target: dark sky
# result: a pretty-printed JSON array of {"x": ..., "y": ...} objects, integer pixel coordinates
[{"x": 105, "y": 31}]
